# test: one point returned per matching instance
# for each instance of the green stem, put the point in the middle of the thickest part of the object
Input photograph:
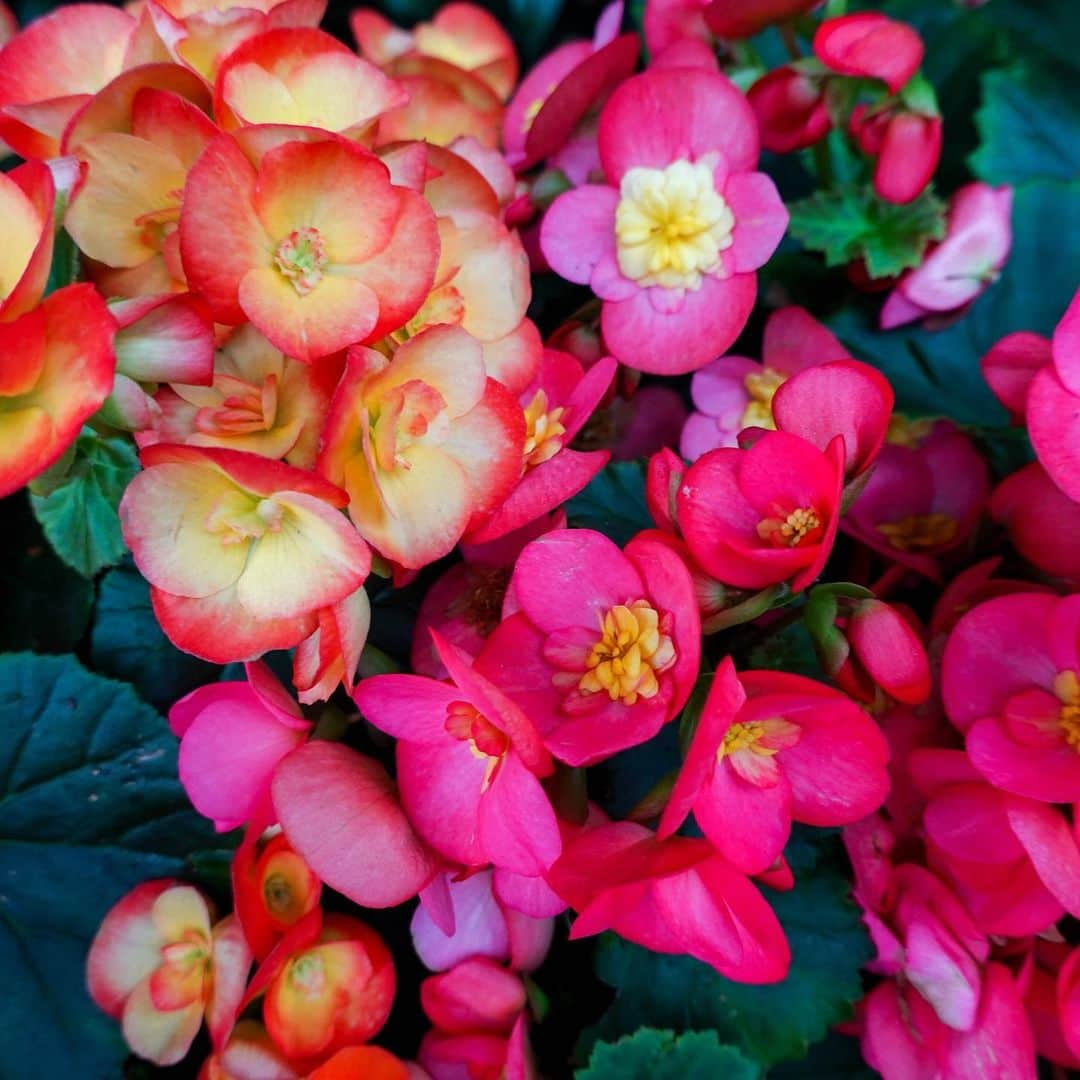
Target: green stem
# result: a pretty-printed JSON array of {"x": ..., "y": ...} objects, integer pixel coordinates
[{"x": 835, "y": 8}]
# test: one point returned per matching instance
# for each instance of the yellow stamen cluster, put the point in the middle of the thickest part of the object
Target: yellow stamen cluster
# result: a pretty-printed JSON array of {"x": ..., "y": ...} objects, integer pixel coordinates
[
  {"x": 792, "y": 530},
  {"x": 762, "y": 386},
  {"x": 904, "y": 431},
  {"x": 543, "y": 430},
  {"x": 632, "y": 649},
  {"x": 301, "y": 257},
  {"x": 238, "y": 517},
  {"x": 919, "y": 532},
  {"x": 745, "y": 737},
  {"x": 486, "y": 742},
  {"x": 1067, "y": 688},
  {"x": 671, "y": 225}
]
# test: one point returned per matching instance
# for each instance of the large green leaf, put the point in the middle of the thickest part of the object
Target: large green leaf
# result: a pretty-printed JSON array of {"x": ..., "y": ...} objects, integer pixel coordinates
[
  {"x": 79, "y": 514},
  {"x": 936, "y": 372},
  {"x": 661, "y": 1055},
  {"x": 613, "y": 503},
  {"x": 853, "y": 223},
  {"x": 127, "y": 642},
  {"x": 89, "y": 807},
  {"x": 1029, "y": 125},
  {"x": 46, "y": 605},
  {"x": 768, "y": 1023}
]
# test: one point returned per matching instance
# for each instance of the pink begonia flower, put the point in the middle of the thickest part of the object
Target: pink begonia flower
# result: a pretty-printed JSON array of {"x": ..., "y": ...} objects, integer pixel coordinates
[
  {"x": 475, "y": 995},
  {"x": 644, "y": 423},
  {"x": 791, "y": 109},
  {"x": 964, "y": 264},
  {"x": 870, "y": 46},
  {"x": 600, "y": 646},
  {"x": 886, "y": 652},
  {"x": 1011, "y": 364},
  {"x": 923, "y": 499},
  {"x": 465, "y": 604},
  {"x": 1043, "y": 522},
  {"x": 745, "y": 18},
  {"x": 969, "y": 588},
  {"x": 772, "y": 748},
  {"x": 735, "y": 392},
  {"x": 904, "y": 1039},
  {"x": 676, "y": 896},
  {"x": 843, "y": 397},
  {"x": 469, "y": 765},
  {"x": 1013, "y": 860},
  {"x": 232, "y": 736},
  {"x": 906, "y": 147},
  {"x": 671, "y": 22},
  {"x": 1048, "y": 971},
  {"x": 557, "y": 403},
  {"x": 462, "y": 917},
  {"x": 460, "y": 1057},
  {"x": 1053, "y": 406},
  {"x": 1010, "y": 679},
  {"x": 550, "y": 104},
  {"x": 765, "y": 515},
  {"x": 159, "y": 964},
  {"x": 372, "y": 855},
  {"x": 678, "y": 147}
]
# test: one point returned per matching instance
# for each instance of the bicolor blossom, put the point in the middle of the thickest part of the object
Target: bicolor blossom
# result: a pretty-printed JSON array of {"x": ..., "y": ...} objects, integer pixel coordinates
[{"x": 671, "y": 242}]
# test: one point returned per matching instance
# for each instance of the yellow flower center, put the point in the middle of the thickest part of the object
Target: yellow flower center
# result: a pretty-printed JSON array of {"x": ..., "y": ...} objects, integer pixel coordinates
[
  {"x": 762, "y": 386},
  {"x": 903, "y": 431},
  {"x": 307, "y": 974},
  {"x": 1067, "y": 689},
  {"x": 238, "y": 517},
  {"x": 633, "y": 648},
  {"x": 801, "y": 524},
  {"x": 745, "y": 737},
  {"x": 919, "y": 532},
  {"x": 301, "y": 257},
  {"x": 671, "y": 225},
  {"x": 543, "y": 430}
]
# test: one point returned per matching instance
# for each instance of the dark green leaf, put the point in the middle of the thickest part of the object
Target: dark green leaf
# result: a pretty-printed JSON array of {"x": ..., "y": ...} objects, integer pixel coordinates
[
  {"x": 79, "y": 515},
  {"x": 854, "y": 223},
  {"x": 127, "y": 642},
  {"x": 46, "y": 605},
  {"x": 89, "y": 806},
  {"x": 531, "y": 23},
  {"x": 613, "y": 503},
  {"x": 661, "y": 1055},
  {"x": 937, "y": 372},
  {"x": 836, "y": 1057},
  {"x": 65, "y": 262},
  {"x": 768, "y": 1023},
  {"x": 792, "y": 649},
  {"x": 1029, "y": 125}
]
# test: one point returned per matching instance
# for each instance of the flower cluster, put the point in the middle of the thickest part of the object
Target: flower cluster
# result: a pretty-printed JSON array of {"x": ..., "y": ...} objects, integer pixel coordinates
[{"x": 303, "y": 293}]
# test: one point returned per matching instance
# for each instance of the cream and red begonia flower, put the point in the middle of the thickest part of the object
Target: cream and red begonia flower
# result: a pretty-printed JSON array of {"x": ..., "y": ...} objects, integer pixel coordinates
[
  {"x": 330, "y": 655},
  {"x": 310, "y": 241},
  {"x": 425, "y": 444},
  {"x": 772, "y": 748},
  {"x": 27, "y": 196},
  {"x": 241, "y": 552},
  {"x": 56, "y": 370},
  {"x": 125, "y": 208},
  {"x": 303, "y": 77},
  {"x": 461, "y": 34},
  {"x": 600, "y": 647},
  {"x": 256, "y": 400},
  {"x": 672, "y": 241},
  {"x": 159, "y": 964}
]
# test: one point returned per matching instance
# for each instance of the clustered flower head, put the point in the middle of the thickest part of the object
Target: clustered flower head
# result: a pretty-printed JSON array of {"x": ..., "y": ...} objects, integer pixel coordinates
[{"x": 305, "y": 275}]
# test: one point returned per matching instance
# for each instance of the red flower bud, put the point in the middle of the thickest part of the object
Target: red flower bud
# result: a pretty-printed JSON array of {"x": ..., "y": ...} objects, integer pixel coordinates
[{"x": 790, "y": 109}]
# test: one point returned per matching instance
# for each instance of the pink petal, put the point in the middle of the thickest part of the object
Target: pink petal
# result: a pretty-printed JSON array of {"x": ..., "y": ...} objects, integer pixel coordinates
[
  {"x": 340, "y": 812},
  {"x": 760, "y": 219},
  {"x": 518, "y": 830},
  {"x": 406, "y": 706},
  {"x": 1053, "y": 416},
  {"x": 479, "y": 926},
  {"x": 578, "y": 230},
  {"x": 1010, "y": 366},
  {"x": 794, "y": 340},
  {"x": 1049, "y": 774},
  {"x": 1066, "y": 346},
  {"x": 1051, "y": 846}
]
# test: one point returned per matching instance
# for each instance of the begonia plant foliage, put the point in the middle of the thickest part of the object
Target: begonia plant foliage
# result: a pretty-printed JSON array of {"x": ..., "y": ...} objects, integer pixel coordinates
[{"x": 540, "y": 539}]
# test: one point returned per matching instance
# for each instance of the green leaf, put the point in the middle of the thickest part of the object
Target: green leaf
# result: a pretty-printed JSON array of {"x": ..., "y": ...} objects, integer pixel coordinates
[
  {"x": 792, "y": 649},
  {"x": 661, "y": 1055},
  {"x": 46, "y": 605},
  {"x": 1029, "y": 125},
  {"x": 854, "y": 223},
  {"x": 937, "y": 372},
  {"x": 837, "y": 1056},
  {"x": 531, "y": 23},
  {"x": 65, "y": 261},
  {"x": 79, "y": 516},
  {"x": 613, "y": 503},
  {"x": 89, "y": 807},
  {"x": 768, "y": 1023},
  {"x": 127, "y": 642}
]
